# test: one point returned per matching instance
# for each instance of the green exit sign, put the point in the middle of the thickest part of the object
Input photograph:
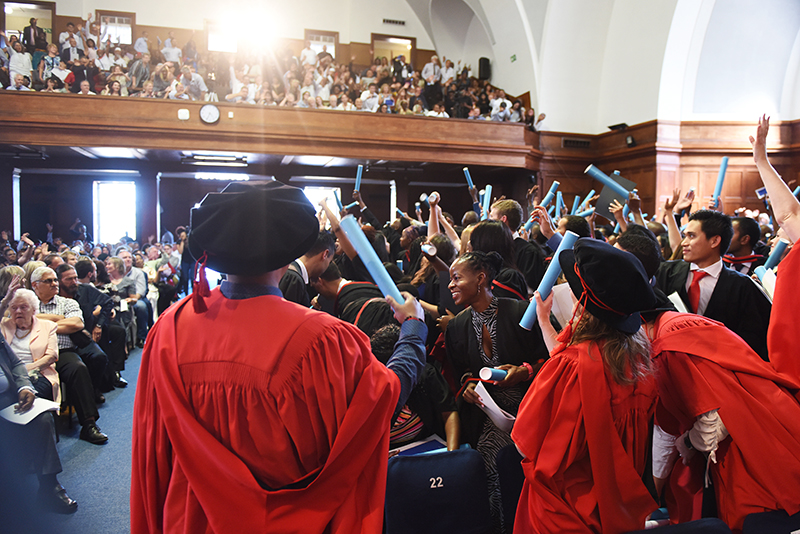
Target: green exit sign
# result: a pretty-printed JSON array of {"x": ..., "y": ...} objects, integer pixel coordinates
[{"x": 513, "y": 58}]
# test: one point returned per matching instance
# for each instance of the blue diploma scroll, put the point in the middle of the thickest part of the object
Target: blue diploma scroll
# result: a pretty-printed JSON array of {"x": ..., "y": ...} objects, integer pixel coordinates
[
  {"x": 358, "y": 177},
  {"x": 423, "y": 198},
  {"x": 796, "y": 190},
  {"x": 400, "y": 213},
  {"x": 548, "y": 198},
  {"x": 351, "y": 205},
  {"x": 551, "y": 210},
  {"x": 487, "y": 202},
  {"x": 549, "y": 279},
  {"x": 490, "y": 373},
  {"x": 470, "y": 184},
  {"x": 585, "y": 213},
  {"x": 338, "y": 200},
  {"x": 575, "y": 204},
  {"x": 586, "y": 200},
  {"x": 776, "y": 255},
  {"x": 529, "y": 224},
  {"x": 601, "y": 177},
  {"x": 559, "y": 204},
  {"x": 370, "y": 259},
  {"x": 720, "y": 180}
]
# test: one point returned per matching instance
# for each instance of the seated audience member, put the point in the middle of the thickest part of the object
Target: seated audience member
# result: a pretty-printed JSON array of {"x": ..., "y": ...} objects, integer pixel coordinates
[
  {"x": 71, "y": 369},
  {"x": 437, "y": 111},
  {"x": 120, "y": 59},
  {"x": 25, "y": 448},
  {"x": 141, "y": 306},
  {"x": 501, "y": 114},
  {"x": 147, "y": 90},
  {"x": 495, "y": 236},
  {"x": 172, "y": 53},
  {"x": 85, "y": 89},
  {"x": 19, "y": 84},
  {"x": 583, "y": 426},
  {"x": 53, "y": 85},
  {"x": 71, "y": 54},
  {"x": 178, "y": 93},
  {"x": 106, "y": 337},
  {"x": 741, "y": 255},
  {"x": 711, "y": 289},
  {"x": 487, "y": 334},
  {"x": 528, "y": 257},
  {"x": 195, "y": 86},
  {"x": 430, "y": 409},
  {"x": 114, "y": 88},
  {"x": 34, "y": 341},
  {"x": 306, "y": 269},
  {"x": 123, "y": 79},
  {"x": 517, "y": 111}
]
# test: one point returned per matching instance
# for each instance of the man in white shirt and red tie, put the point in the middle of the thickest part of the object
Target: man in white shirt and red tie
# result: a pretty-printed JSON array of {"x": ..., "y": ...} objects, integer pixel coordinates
[{"x": 709, "y": 288}]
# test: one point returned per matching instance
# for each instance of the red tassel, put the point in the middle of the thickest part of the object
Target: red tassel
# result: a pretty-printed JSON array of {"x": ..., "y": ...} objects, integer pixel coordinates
[{"x": 200, "y": 287}]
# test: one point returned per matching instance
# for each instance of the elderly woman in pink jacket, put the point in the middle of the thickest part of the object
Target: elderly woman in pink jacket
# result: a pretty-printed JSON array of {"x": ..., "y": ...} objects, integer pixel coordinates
[{"x": 34, "y": 342}]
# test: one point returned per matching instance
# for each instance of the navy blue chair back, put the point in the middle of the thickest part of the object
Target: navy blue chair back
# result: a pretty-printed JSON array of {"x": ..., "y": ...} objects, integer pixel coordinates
[
  {"x": 771, "y": 523},
  {"x": 509, "y": 470},
  {"x": 701, "y": 526},
  {"x": 436, "y": 493}
]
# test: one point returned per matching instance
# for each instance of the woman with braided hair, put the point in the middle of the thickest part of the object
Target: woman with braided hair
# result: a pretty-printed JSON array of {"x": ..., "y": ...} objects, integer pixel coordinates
[{"x": 487, "y": 334}]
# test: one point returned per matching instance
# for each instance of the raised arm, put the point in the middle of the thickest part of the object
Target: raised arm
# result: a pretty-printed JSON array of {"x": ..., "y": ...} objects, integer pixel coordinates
[
  {"x": 345, "y": 243},
  {"x": 675, "y": 237},
  {"x": 785, "y": 206}
]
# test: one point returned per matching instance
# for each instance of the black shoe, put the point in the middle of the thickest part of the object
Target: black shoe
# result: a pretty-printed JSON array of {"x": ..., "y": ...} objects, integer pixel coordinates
[
  {"x": 92, "y": 434},
  {"x": 99, "y": 398},
  {"x": 140, "y": 343},
  {"x": 120, "y": 382},
  {"x": 56, "y": 500}
]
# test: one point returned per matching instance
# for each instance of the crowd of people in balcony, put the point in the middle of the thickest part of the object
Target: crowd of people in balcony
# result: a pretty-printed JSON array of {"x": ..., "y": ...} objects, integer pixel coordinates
[{"x": 81, "y": 63}]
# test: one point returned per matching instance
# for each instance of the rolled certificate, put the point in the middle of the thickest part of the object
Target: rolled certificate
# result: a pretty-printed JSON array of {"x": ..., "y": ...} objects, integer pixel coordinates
[
  {"x": 585, "y": 213},
  {"x": 338, "y": 201},
  {"x": 575, "y": 204},
  {"x": 358, "y": 177},
  {"x": 423, "y": 198},
  {"x": 720, "y": 180},
  {"x": 489, "y": 373},
  {"x": 370, "y": 259},
  {"x": 549, "y": 279},
  {"x": 417, "y": 205},
  {"x": 428, "y": 249},
  {"x": 601, "y": 177},
  {"x": 548, "y": 198},
  {"x": 351, "y": 205},
  {"x": 487, "y": 202},
  {"x": 559, "y": 204},
  {"x": 777, "y": 253},
  {"x": 470, "y": 184},
  {"x": 400, "y": 213},
  {"x": 529, "y": 224},
  {"x": 551, "y": 210},
  {"x": 796, "y": 190},
  {"x": 586, "y": 200}
]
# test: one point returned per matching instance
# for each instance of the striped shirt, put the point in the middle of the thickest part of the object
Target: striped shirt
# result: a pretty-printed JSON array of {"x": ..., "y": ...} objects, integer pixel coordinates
[{"x": 66, "y": 307}]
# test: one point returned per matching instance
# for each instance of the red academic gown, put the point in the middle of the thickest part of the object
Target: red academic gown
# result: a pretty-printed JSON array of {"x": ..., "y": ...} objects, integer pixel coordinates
[
  {"x": 782, "y": 340},
  {"x": 701, "y": 366},
  {"x": 572, "y": 412},
  {"x": 259, "y": 415}
]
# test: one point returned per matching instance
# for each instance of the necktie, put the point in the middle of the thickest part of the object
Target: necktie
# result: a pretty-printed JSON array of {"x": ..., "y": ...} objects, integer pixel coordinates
[{"x": 694, "y": 289}]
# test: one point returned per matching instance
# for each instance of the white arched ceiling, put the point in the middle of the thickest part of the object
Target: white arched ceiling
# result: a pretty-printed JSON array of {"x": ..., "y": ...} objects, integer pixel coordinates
[
  {"x": 745, "y": 58},
  {"x": 458, "y": 33}
]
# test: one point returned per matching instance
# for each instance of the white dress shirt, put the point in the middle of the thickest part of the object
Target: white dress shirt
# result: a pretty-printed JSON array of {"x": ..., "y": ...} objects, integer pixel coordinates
[{"x": 707, "y": 284}]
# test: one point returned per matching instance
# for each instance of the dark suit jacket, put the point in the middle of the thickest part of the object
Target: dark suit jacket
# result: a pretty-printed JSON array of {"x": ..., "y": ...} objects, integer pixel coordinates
[
  {"x": 737, "y": 301},
  {"x": 65, "y": 55},
  {"x": 515, "y": 344},
  {"x": 82, "y": 73},
  {"x": 529, "y": 258},
  {"x": 34, "y": 40},
  {"x": 293, "y": 287}
]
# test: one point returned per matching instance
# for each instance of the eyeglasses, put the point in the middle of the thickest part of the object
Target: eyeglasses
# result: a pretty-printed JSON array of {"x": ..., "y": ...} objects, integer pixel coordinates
[{"x": 49, "y": 281}]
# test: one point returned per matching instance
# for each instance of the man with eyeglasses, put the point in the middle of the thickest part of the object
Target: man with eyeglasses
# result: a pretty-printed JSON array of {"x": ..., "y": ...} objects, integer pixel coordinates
[{"x": 66, "y": 313}]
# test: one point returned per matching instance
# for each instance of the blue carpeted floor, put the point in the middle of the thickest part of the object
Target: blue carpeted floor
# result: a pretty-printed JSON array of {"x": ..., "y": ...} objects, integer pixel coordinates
[{"x": 97, "y": 476}]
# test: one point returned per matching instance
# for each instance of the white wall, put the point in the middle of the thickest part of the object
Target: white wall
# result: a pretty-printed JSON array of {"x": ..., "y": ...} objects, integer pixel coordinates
[
  {"x": 354, "y": 20},
  {"x": 635, "y": 45}
]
